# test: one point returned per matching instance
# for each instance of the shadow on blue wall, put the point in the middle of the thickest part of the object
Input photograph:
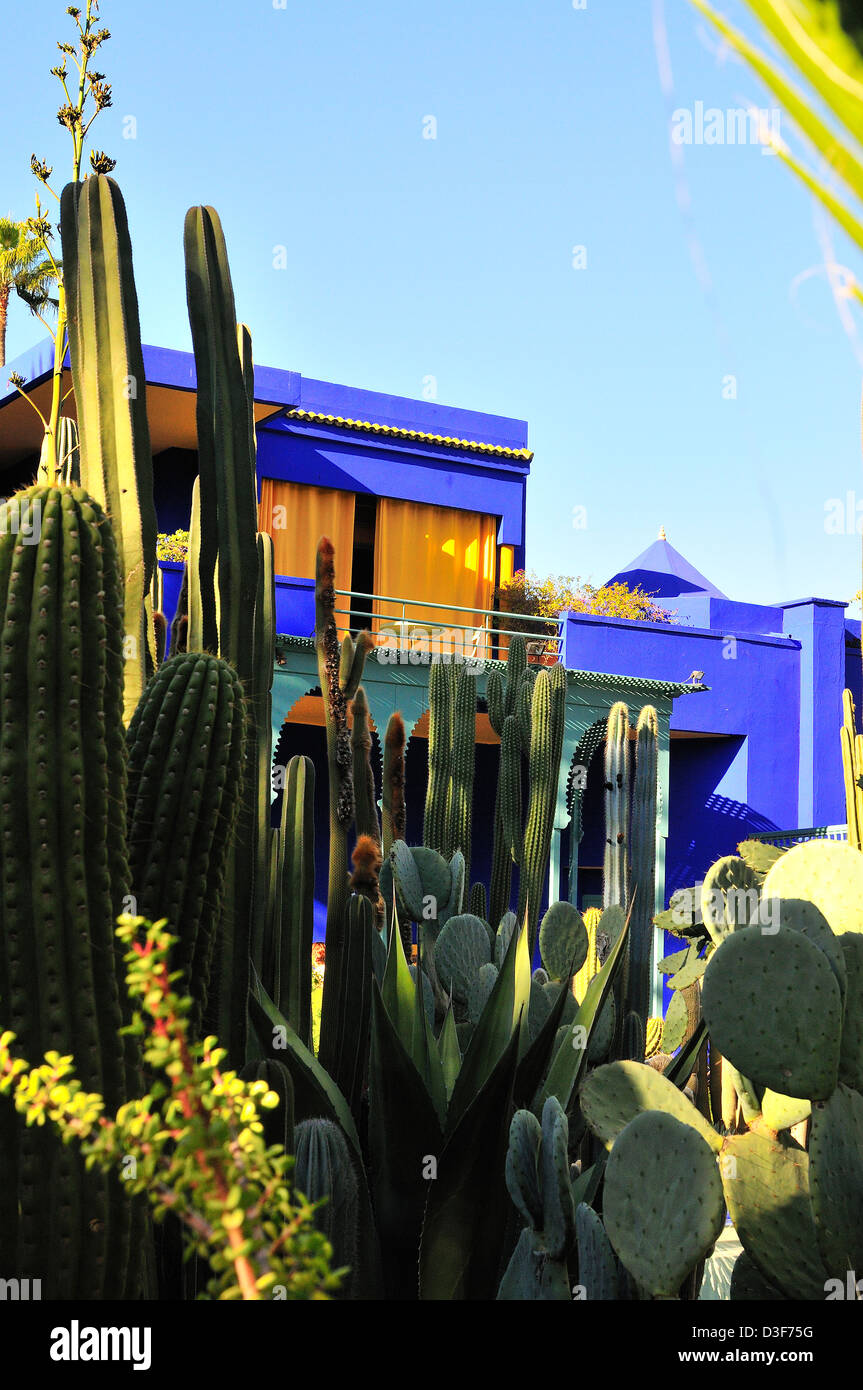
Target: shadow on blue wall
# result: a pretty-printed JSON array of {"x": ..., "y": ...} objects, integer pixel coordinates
[{"x": 704, "y": 824}]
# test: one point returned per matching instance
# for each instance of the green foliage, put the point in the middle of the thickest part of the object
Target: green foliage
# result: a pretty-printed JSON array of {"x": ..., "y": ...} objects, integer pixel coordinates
[
  {"x": 194, "y": 1144},
  {"x": 173, "y": 545},
  {"x": 528, "y": 594},
  {"x": 820, "y": 39}
]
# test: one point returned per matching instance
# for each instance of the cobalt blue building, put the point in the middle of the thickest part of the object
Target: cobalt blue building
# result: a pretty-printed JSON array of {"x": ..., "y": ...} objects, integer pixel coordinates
[{"x": 425, "y": 505}]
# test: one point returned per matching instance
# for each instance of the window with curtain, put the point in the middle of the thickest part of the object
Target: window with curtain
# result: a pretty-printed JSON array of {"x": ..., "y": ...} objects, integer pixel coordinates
[
  {"x": 437, "y": 554},
  {"x": 296, "y": 515}
]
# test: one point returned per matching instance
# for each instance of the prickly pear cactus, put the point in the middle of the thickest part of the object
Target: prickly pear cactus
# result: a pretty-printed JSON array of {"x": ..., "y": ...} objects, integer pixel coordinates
[
  {"x": 538, "y": 1181},
  {"x": 663, "y": 1205},
  {"x": 563, "y": 941}
]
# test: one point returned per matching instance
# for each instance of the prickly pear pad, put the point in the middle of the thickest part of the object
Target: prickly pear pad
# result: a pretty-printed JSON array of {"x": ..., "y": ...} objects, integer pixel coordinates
[
  {"x": 773, "y": 1008},
  {"x": 662, "y": 1203},
  {"x": 767, "y": 1191},
  {"x": 612, "y": 1096},
  {"x": 836, "y": 1180},
  {"x": 826, "y": 873}
]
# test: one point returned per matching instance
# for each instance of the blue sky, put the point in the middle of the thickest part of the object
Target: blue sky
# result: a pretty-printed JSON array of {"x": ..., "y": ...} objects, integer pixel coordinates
[{"x": 452, "y": 258}]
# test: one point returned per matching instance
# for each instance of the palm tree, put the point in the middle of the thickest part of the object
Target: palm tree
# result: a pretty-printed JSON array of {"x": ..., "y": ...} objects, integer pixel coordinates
[{"x": 25, "y": 269}]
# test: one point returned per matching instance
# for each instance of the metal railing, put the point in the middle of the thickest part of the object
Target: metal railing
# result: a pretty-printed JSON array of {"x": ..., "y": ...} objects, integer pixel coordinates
[
  {"x": 787, "y": 838},
  {"x": 401, "y": 628}
]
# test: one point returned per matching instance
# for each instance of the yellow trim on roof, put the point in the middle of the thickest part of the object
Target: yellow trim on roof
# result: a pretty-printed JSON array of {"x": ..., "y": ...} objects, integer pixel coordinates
[{"x": 397, "y": 432}]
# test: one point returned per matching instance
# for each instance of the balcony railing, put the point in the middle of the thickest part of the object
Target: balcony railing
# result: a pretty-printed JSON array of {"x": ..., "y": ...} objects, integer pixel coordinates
[
  {"x": 405, "y": 629},
  {"x": 786, "y": 838}
]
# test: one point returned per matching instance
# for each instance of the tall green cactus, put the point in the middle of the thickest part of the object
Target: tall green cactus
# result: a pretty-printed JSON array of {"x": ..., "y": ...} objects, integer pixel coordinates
[
  {"x": 186, "y": 747},
  {"x": 462, "y": 765},
  {"x": 287, "y": 973},
  {"x": 364, "y": 780},
  {"x": 436, "y": 820},
  {"x": 615, "y": 883},
  {"x": 116, "y": 463},
  {"x": 65, "y": 877},
  {"x": 546, "y": 748},
  {"x": 226, "y": 449},
  {"x": 643, "y": 841},
  {"x": 231, "y": 595},
  {"x": 340, "y": 671},
  {"x": 503, "y": 694},
  {"x": 393, "y": 817},
  {"x": 324, "y": 1173}
]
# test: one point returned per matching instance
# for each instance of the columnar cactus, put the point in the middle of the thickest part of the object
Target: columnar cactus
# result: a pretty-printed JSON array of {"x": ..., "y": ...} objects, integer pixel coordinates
[
  {"x": 393, "y": 809},
  {"x": 643, "y": 838},
  {"x": 616, "y": 869},
  {"x": 364, "y": 780},
  {"x": 291, "y": 903},
  {"x": 546, "y": 746},
  {"x": 186, "y": 746},
  {"x": 324, "y": 1173},
  {"x": 340, "y": 671},
  {"x": 436, "y": 820},
  {"x": 65, "y": 877},
  {"x": 115, "y": 460},
  {"x": 462, "y": 765}
]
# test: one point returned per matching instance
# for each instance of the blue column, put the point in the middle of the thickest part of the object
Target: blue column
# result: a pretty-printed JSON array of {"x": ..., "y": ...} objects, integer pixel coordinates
[{"x": 819, "y": 626}]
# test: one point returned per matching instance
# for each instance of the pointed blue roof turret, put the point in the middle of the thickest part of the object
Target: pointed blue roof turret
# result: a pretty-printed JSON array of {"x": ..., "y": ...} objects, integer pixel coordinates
[{"x": 663, "y": 571}]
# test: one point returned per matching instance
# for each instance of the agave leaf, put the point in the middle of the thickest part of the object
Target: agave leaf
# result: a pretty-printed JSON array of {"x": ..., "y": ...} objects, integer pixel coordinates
[
  {"x": 398, "y": 990},
  {"x": 450, "y": 1053},
  {"x": 466, "y": 1220},
  {"x": 404, "y": 1134},
  {"x": 315, "y": 1092}
]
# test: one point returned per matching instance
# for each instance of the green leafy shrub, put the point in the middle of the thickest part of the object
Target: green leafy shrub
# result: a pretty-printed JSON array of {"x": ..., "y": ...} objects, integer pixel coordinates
[
  {"x": 172, "y": 545},
  {"x": 194, "y": 1144}
]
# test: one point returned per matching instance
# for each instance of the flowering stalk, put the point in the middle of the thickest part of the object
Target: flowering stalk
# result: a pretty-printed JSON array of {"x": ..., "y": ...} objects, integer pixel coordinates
[{"x": 84, "y": 97}]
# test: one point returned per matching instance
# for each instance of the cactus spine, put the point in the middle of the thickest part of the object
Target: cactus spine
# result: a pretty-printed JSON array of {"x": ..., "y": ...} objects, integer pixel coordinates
[{"x": 65, "y": 876}]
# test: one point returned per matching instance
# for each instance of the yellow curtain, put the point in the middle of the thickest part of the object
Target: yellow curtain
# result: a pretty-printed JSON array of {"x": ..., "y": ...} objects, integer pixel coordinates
[
  {"x": 296, "y": 515},
  {"x": 438, "y": 554},
  {"x": 507, "y": 569}
]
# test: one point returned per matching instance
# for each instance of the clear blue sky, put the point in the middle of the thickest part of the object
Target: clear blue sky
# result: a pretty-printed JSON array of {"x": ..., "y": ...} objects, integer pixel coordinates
[{"x": 452, "y": 258}]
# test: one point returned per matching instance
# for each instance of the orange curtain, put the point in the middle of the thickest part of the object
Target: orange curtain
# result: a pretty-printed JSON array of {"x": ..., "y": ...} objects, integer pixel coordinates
[
  {"x": 296, "y": 515},
  {"x": 438, "y": 554},
  {"x": 507, "y": 569}
]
